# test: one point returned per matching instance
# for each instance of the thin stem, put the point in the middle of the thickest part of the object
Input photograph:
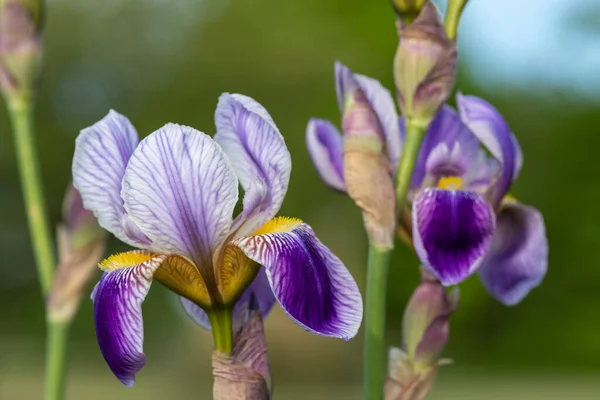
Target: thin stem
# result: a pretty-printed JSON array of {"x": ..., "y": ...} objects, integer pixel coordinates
[
  {"x": 415, "y": 130},
  {"x": 221, "y": 321},
  {"x": 21, "y": 115},
  {"x": 455, "y": 9},
  {"x": 375, "y": 350},
  {"x": 56, "y": 360}
]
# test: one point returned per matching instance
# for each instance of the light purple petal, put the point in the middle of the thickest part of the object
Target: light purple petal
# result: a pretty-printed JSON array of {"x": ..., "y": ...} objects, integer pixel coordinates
[
  {"x": 102, "y": 152},
  {"x": 258, "y": 294},
  {"x": 448, "y": 129},
  {"x": 118, "y": 299},
  {"x": 452, "y": 231},
  {"x": 180, "y": 189},
  {"x": 310, "y": 283},
  {"x": 518, "y": 257},
  {"x": 258, "y": 154},
  {"x": 326, "y": 147},
  {"x": 490, "y": 128},
  {"x": 381, "y": 102}
]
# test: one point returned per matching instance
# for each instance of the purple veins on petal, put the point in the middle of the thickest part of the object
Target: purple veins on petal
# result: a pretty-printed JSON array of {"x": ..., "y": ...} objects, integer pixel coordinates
[
  {"x": 118, "y": 299},
  {"x": 326, "y": 147},
  {"x": 102, "y": 153},
  {"x": 518, "y": 257},
  {"x": 310, "y": 283},
  {"x": 452, "y": 232}
]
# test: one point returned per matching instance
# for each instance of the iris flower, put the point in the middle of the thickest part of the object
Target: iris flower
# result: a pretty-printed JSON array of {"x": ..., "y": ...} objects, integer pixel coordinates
[
  {"x": 463, "y": 219},
  {"x": 172, "y": 196}
]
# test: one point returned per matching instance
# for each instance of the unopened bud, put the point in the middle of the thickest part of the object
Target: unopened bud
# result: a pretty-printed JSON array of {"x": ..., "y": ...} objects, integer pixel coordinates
[
  {"x": 367, "y": 169},
  {"x": 403, "y": 381},
  {"x": 245, "y": 373},
  {"x": 20, "y": 46},
  {"x": 424, "y": 66},
  {"x": 81, "y": 244},
  {"x": 426, "y": 322},
  {"x": 408, "y": 10}
]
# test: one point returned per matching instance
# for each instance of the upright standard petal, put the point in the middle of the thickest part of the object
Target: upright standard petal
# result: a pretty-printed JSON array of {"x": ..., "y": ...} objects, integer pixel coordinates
[
  {"x": 102, "y": 152},
  {"x": 180, "y": 189},
  {"x": 445, "y": 129},
  {"x": 258, "y": 154},
  {"x": 118, "y": 301},
  {"x": 257, "y": 295},
  {"x": 491, "y": 129},
  {"x": 518, "y": 257},
  {"x": 383, "y": 104},
  {"x": 310, "y": 283},
  {"x": 452, "y": 231},
  {"x": 326, "y": 147}
]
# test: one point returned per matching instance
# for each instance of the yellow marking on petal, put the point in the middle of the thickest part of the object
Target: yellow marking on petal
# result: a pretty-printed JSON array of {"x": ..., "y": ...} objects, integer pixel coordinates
[
  {"x": 234, "y": 274},
  {"x": 278, "y": 225},
  {"x": 450, "y": 183},
  {"x": 509, "y": 199},
  {"x": 126, "y": 259},
  {"x": 181, "y": 276}
]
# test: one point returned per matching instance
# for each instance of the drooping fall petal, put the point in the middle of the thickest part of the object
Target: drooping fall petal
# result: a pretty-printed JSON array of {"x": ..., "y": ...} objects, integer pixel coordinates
[
  {"x": 518, "y": 257},
  {"x": 452, "y": 231},
  {"x": 310, "y": 283}
]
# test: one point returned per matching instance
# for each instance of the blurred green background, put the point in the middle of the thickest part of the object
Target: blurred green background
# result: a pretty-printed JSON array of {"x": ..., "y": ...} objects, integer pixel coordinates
[{"x": 160, "y": 61}]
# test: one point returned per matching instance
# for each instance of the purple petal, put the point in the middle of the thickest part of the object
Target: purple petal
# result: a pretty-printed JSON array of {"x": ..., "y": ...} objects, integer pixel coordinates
[
  {"x": 448, "y": 129},
  {"x": 381, "y": 102},
  {"x": 518, "y": 257},
  {"x": 180, "y": 190},
  {"x": 452, "y": 232},
  {"x": 258, "y": 154},
  {"x": 326, "y": 147},
  {"x": 102, "y": 152},
  {"x": 118, "y": 301},
  {"x": 310, "y": 283},
  {"x": 491, "y": 129},
  {"x": 259, "y": 292}
]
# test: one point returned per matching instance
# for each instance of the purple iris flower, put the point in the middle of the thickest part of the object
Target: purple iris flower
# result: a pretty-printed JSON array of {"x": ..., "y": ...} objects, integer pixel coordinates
[
  {"x": 462, "y": 217},
  {"x": 172, "y": 195}
]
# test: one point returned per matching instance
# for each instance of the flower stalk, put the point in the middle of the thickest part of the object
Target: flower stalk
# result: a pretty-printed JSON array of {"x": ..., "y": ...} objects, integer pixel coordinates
[
  {"x": 221, "y": 321},
  {"x": 415, "y": 131},
  {"x": 453, "y": 14},
  {"x": 374, "y": 345}
]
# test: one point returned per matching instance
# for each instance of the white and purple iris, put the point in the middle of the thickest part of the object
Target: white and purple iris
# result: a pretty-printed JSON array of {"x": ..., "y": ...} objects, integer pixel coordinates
[
  {"x": 172, "y": 195},
  {"x": 462, "y": 217}
]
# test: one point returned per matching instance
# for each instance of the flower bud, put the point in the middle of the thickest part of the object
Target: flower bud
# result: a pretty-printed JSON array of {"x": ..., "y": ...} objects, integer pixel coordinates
[
  {"x": 408, "y": 10},
  {"x": 426, "y": 322},
  {"x": 81, "y": 244},
  {"x": 367, "y": 168},
  {"x": 20, "y": 46},
  {"x": 424, "y": 66},
  {"x": 245, "y": 373}
]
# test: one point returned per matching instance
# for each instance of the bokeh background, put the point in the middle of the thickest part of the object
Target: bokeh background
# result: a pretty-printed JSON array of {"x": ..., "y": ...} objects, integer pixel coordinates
[{"x": 158, "y": 61}]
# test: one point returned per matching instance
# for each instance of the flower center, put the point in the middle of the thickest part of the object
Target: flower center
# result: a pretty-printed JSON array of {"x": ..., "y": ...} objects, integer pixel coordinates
[{"x": 450, "y": 183}]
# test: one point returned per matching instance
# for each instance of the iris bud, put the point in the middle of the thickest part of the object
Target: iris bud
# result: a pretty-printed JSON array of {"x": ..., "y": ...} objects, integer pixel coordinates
[
  {"x": 20, "y": 46},
  {"x": 245, "y": 373},
  {"x": 424, "y": 66},
  {"x": 408, "y": 10},
  {"x": 81, "y": 244},
  {"x": 367, "y": 168}
]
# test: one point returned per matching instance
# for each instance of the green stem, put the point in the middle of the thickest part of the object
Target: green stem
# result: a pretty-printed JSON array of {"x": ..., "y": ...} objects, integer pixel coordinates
[
  {"x": 221, "y": 321},
  {"x": 415, "y": 130},
  {"x": 21, "y": 114},
  {"x": 455, "y": 9},
  {"x": 375, "y": 350},
  {"x": 56, "y": 360}
]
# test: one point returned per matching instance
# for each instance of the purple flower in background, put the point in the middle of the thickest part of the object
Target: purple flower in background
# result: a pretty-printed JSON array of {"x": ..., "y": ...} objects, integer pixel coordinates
[
  {"x": 462, "y": 218},
  {"x": 172, "y": 195}
]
